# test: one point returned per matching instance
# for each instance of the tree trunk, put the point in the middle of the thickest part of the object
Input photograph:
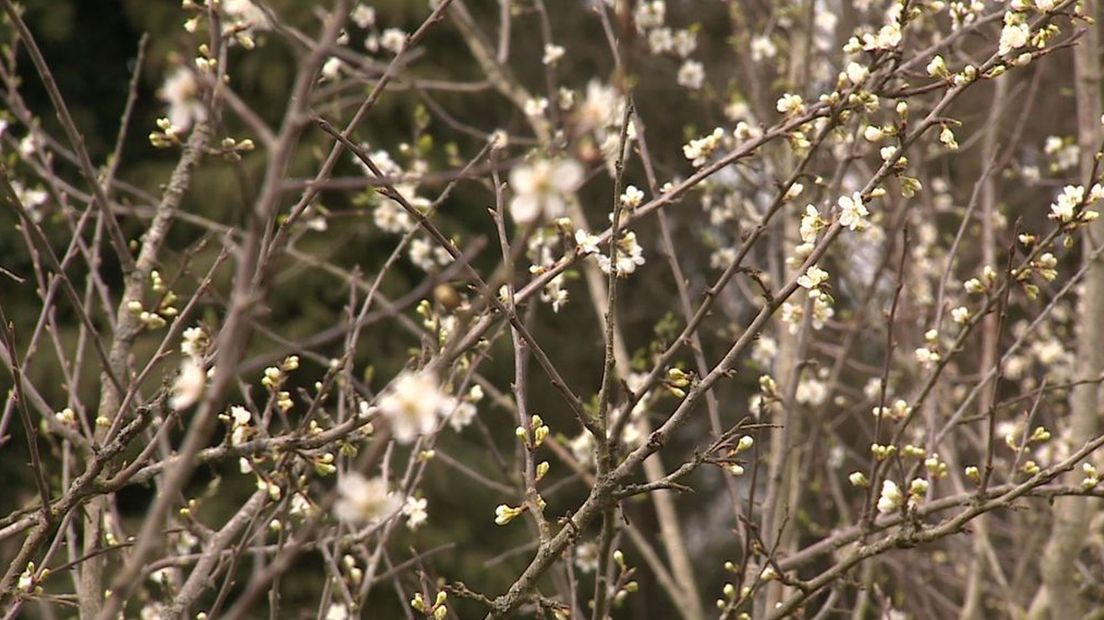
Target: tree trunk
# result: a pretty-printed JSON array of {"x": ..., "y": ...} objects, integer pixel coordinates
[{"x": 1072, "y": 514}]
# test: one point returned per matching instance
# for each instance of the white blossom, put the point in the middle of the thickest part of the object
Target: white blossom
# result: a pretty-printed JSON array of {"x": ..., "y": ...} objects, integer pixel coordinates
[
  {"x": 856, "y": 73},
  {"x": 337, "y": 611},
  {"x": 632, "y": 197},
  {"x": 628, "y": 256},
  {"x": 1013, "y": 36},
  {"x": 691, "y": 75},
  {"x": 463, "y": 416},
  {"x": 393, "y": 40},
  {"x": 245, "y": 14},
  {"x": 602, "y": 106},
  {"x": 413, "y": 403},
  {"x": 189, "y": 384},
  {"x": 541, "y": 188},
  {"x": 582, "y": 448},
  {"x": 194, "y": 341},
  {"x": 363, "y": 15},
  {"x": 414, "y": 509},
  {"x": 853, "y": 212},
  {"x": 686, "y": 41},
  {"x": 764, "y": 351},
  {"x": 586, "y": 557},
  {"x": 762, "y": 48},
  {"x": 960, "y": 315},
  {"x": 331, "y": 69},
  {"x": 650, "y": 14},
  {"x": 552, "y": 54},
  {"x": 364, "y": 501},
  {"x": 947, "y": 137},
  {"x": 811, "y": 392},
  {"x": 927, "y": 357},
  {"x": 240, "y": 430},
  {"x": 661, "y": 40},
  {"x": 1067, "y": 202},
  {"x": 181, "y": 91},
  {"x": 699, "y": 150},
  {"x": 586, "y": 242},
  {"x": 873, "y": 133},
  {"x": 536, "y": 107},
  {"x": 790, "y": 104},
  {"x": 891, "y": 498},
  {"x": 811, "y": 224},
  {"x": 428, "y": 255},
  {"x": 937, "y": 67},
  {"x": 813, "y": 277},
  {"x": 888, "y": 37}
]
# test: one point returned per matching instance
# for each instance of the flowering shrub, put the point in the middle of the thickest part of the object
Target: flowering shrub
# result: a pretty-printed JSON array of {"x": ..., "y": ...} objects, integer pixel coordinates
[{"x": 595, "y": 308}]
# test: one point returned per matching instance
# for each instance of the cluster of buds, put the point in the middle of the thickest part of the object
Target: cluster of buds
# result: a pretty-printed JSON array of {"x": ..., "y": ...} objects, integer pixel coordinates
[
  {"x": 205, "y": 63},
  {"x": 983, "y": 284},
  {"x": 272, "y": 488},
  {"x": 1092, "y": 478},
  {"x": 928, "y": 355},
  {"x": 240, "y": 428},
  {"x": 799, "y": 140},
  {"x": 676, "y": 382},
  {"x": 189, "y": 509},
  {"x": 937, "y": 67},
  {"x": 890, "y": 153},
  {"x": 232, "y": 149},
  {"x": 1045, "y": 266},
  {"x": 947, "y": 138},
  {"x": 355, "y": 574},
  {"x": 436, "y": 319},
  {"x": 917, "y": 489},
  {"x": 890, "y": 499},
  {"x": 1070, "y": 208},
  {"x": 877, "y": 133},
  {"x": 194, "y": 342},
  {"x": 541, "y": 470},
  {"x": 973, "y": 473},
  {"x": 961, "y": 315},
  {"x": 533, "y": 436},
  {"x": 912, "y": 451},
  {"x": 302, "y": 507},
  {"x": 937, "y": 469},
  {"x": 1039, "y": 435},
  {"x": 898, "y": 411},
  {"x": 624, "y": 585},
  {"x": 732, "y": 597},
  {"x": 324, "y": 464},
  {"x": 505, "y": 513},
  {"x": 29, "y": 579},
  {"x": 968, "y": 74},
  {"x": 699, "y": 150},
  {"x": 768, "y": 388},
  {"x": 882, "y": 452},
  {"x": 437, "y": 611},
  {"x": 167, "y": 135},
  {"x": 66, "y": 416},
  {"x": 742, "y": 445},
  {"x": 155, "y": 319},
  {"x": 274, "y": 377}
]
